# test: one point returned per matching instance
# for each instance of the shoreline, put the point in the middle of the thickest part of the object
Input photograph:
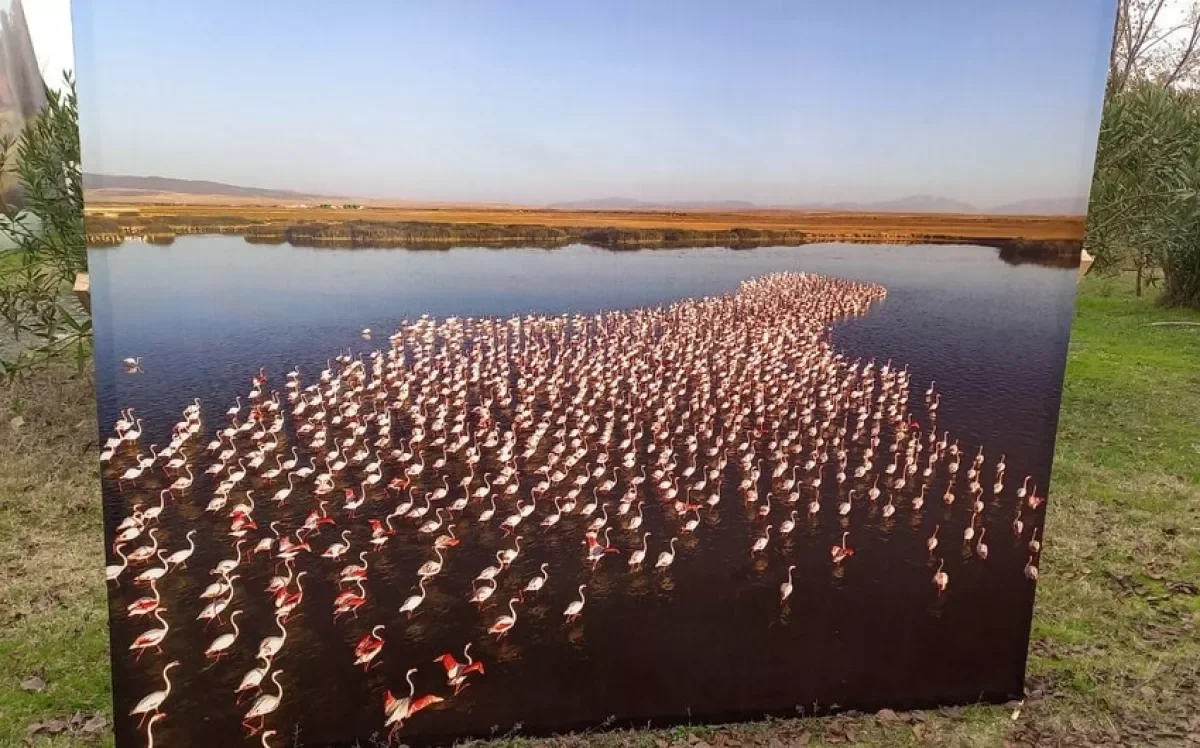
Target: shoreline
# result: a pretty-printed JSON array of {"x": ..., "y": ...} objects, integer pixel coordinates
[{"x": 1035, "y": 239}]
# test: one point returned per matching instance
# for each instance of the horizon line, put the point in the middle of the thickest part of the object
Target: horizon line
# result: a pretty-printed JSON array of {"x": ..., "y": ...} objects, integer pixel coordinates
[{"x": 589, "y": 204}]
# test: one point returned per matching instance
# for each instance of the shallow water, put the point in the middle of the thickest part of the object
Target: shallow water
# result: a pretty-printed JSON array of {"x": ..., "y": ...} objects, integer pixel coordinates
[{"x": 706, "y": 641}]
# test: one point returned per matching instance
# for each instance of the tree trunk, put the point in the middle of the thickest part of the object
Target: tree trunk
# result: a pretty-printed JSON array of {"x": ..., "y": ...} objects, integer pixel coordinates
[{"x": 1139, "y": 281}]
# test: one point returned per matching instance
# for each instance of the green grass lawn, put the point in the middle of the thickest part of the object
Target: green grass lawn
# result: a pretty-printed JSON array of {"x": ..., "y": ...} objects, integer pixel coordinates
[{"x": 1116, "y": 633}]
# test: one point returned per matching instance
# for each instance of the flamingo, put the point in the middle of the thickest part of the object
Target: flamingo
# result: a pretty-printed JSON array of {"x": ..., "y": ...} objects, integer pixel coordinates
[
  {"x": 151, "y": 637},
  {"x": 270, "y": 646},
  {"x": 550, "y": 520},
  {"x": 146, "y": 605},
  {"x": 179, "y": 558},
  {"x": 223, "y": 642},
  {"x": 246, "y": 509},
  {"x": 336, "y": 550},
  {"x": 218, "y": 588},
  {"x": 182, "y": 483},
  {"x": 228, "y": 565},
  {"x": 433, "y": 525},
  {"x": 414, "y": 601},
  {"x": 535, "y": 584},
  {"x": 638, "y": 556},
  {"x": 491, "y": 571},
  {"x": 789, "y": 524},
  {"x": 760, "y": 543},
  {"x": 452, "y": 666},
  {"x": 285, "y": 603},
  {"x": 666, "y": 558},
  {"x": 785, "y": 589},
  {"x": 112, "y": 572},
  {"x": 145, "y": 552},
  {"x": 481, "y": 593},
  {"x": 368, "y": 648},
  {"x": 396, "y": 711},
  {"x": 349, "y": 601},
  {"x": 431, "y": 568},
  {"x": 504, "y": 624},
  {"x": 265, "y": 704},
  {"x": 151, "y": 703},
  {"x": 353, "y": 572},
  {"x": 133, "y": 434},
  {"x": 459, "y": 681},
  {"x": 449, "y": 540},
  {"x": 154, "y": 512},
  {"x": 508, "y": 555},
  {"x": 283, "y": 493},
  {"x": 941, "y": 579},
  {"x": 486, "y": 515},
  {"x": 575, "y": 609},
  {"x": 150, "y": 724},
  {"x": 212, "y": 611},
  {"x": 254, "y": 676},
  {"x": 839, "y": 553}
]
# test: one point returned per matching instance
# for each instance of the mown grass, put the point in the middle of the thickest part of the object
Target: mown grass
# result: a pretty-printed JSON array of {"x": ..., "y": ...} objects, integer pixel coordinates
[{"x": 1116, "y": 634}]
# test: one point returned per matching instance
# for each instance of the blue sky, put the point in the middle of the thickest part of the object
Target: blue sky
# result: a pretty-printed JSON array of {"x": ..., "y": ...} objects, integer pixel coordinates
[{"x": 537, "y": 102}]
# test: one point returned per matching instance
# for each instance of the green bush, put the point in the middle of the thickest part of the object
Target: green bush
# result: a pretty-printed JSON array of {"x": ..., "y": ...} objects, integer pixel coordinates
[
  {"x": 1145, "y": 208},
  {"x": 37, "y": 273}
]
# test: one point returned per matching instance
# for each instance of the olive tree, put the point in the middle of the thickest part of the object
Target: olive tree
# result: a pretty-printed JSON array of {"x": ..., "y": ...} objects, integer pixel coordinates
[
  {"x": 44, "y": 223},
  {"x": 1145, "y": 207}
]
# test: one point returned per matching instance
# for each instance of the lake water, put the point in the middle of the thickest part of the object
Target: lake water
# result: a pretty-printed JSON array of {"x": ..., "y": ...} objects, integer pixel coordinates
[{"x": 710, "y": 642}]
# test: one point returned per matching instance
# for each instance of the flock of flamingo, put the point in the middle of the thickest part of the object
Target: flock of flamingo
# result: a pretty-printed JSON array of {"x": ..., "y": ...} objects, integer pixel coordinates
[{"x": 620, "y": 429}]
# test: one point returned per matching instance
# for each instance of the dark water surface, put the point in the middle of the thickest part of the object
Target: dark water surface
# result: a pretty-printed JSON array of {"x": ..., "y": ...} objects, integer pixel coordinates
[{"x": 707, "y": 640}]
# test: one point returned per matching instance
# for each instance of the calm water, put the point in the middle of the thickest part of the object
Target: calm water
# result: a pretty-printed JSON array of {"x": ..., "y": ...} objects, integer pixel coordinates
[{"x": 709, "y": 641}]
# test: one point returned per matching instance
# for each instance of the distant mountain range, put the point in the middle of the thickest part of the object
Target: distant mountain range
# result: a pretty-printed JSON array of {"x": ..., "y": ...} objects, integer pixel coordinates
[
  {"x": 625, "y": 203},
  {"x": 118, "y": 184},
  {"x": 125, "y": 183}
]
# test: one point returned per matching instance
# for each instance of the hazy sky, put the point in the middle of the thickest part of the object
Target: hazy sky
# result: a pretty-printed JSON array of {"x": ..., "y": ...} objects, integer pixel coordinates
[
  {"x": 50, "y": 32},
  {"x": 986, "y": 101}
]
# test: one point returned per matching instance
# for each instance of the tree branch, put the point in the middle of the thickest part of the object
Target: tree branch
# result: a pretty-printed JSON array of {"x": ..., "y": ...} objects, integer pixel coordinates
[{"x": 1188, "y": 53}]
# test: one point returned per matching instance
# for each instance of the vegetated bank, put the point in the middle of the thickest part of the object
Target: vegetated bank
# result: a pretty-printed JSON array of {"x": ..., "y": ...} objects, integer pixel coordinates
[{"x": 112, "y": 230}]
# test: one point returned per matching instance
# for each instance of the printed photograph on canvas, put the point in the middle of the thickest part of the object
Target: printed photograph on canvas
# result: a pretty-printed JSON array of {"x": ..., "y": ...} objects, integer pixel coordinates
[{"x": 474, "y": 369}]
